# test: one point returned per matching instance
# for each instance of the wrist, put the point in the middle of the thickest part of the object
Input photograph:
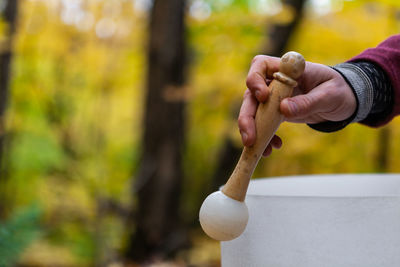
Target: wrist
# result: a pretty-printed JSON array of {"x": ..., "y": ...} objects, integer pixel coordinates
[
  {"x": 352, "y": 103},
  {"x": 361, "y": 86}
]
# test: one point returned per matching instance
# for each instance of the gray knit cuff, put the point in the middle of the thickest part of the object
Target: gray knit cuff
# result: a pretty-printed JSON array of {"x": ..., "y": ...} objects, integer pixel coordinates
[{"x": 362, "y": 87}]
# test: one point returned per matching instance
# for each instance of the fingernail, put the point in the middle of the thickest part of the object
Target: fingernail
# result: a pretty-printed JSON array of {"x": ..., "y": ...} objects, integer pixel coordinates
[
  {"x": 267, "y": 151},
  {"x": 244, "y": 138}
]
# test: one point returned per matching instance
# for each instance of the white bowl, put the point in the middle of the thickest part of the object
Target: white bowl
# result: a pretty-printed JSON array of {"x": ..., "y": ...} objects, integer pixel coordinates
[{"x": 320, "y": 221}]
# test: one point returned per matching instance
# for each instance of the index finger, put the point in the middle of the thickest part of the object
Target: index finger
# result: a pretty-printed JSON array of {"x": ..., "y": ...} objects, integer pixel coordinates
[
  {"x": 262, "y": 67},
  {"x": 246, "y": 121}
]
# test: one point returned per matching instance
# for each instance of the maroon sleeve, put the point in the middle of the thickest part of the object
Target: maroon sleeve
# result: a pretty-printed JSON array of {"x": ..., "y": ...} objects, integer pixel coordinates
[{"x": 387, "y": 56}]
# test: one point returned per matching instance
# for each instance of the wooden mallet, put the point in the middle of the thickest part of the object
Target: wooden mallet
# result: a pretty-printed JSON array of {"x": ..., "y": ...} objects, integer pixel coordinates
[{"x": 224, "y": 215}]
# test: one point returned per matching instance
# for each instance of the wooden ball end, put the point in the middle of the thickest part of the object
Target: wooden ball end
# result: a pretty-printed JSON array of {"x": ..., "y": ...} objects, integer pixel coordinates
[{"x": 292, "y": 64}]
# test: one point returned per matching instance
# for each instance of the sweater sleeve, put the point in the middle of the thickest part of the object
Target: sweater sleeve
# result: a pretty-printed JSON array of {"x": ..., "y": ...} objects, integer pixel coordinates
[{"x": 387, "y": 56}]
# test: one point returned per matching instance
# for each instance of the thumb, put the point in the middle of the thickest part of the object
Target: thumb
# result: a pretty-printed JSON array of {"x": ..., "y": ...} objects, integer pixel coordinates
[{"x": 302, "y": 106}]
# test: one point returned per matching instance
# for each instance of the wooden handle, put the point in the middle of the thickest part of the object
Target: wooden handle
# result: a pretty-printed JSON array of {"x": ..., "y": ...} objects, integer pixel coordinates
[{"x": 268, "y": 118}]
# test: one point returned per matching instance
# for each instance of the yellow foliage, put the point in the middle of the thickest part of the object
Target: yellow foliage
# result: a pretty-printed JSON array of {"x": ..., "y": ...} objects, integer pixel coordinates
[
  {"x": 44, "y": 254},
  {"x": 77, "y": 99}
]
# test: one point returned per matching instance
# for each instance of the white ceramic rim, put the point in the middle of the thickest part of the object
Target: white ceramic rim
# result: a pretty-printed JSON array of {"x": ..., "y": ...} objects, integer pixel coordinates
[{"x": 327, "y": 186}]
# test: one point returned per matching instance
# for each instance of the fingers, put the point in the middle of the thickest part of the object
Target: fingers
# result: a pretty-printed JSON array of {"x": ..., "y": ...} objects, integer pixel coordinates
[
  {"x": 267, "y": 151},
  {"x": 276, "y": 142},
  {"x": 258, "y": 79},
  {"x": 262, "y": 67},
  {"x": 247, "y": 126}
]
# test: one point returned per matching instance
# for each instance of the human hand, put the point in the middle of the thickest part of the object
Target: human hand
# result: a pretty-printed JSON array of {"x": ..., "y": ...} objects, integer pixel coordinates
[{"x": 321, "y": 95}]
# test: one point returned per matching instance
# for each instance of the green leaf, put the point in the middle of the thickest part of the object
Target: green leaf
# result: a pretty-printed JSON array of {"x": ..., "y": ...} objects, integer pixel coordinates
[{"x": 17, "y": 234}]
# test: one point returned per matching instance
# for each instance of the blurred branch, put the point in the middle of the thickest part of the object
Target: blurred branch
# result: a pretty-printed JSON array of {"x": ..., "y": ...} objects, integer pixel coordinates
[
  {"x": 111, "y": 206},
  {"x": 383, "y": 145},
  {"x": 105, "y": 254},
  {"x": 279, "y": 33},
  {"x": 6, "y": 45},
  {"x": 10, "y": 17}
]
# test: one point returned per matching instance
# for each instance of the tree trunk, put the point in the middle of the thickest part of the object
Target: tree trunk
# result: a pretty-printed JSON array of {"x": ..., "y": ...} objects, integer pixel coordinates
[
  {"x": 278, "y": 38},
  {"x": 10, "y": 17},
  {"x": 158, "y": 184},
  {"x": 279, "y": 34}
]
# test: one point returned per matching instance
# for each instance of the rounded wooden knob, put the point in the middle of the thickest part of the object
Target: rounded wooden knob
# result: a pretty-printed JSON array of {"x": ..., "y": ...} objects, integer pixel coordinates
[{"x": 292, "y": 64}]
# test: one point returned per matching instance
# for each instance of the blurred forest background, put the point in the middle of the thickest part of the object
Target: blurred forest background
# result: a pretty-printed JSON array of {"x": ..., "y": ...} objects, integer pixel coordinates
[{"x": 118, "y": 117}]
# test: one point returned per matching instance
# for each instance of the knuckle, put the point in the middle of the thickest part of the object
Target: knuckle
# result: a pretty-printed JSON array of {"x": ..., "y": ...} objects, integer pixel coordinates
[
  {"x": 252, "y": 82},
  {"x": 242, "y": 122},
  {"x": 247, "y": 93},
  {"x": 305, "y": 105},
  {"x": 257, "y": 58},
  {"x": 249, "y": 81}
]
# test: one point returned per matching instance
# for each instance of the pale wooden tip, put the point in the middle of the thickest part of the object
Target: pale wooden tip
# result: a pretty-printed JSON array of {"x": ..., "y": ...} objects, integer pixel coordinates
[{"x": 292, "y": 64}]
